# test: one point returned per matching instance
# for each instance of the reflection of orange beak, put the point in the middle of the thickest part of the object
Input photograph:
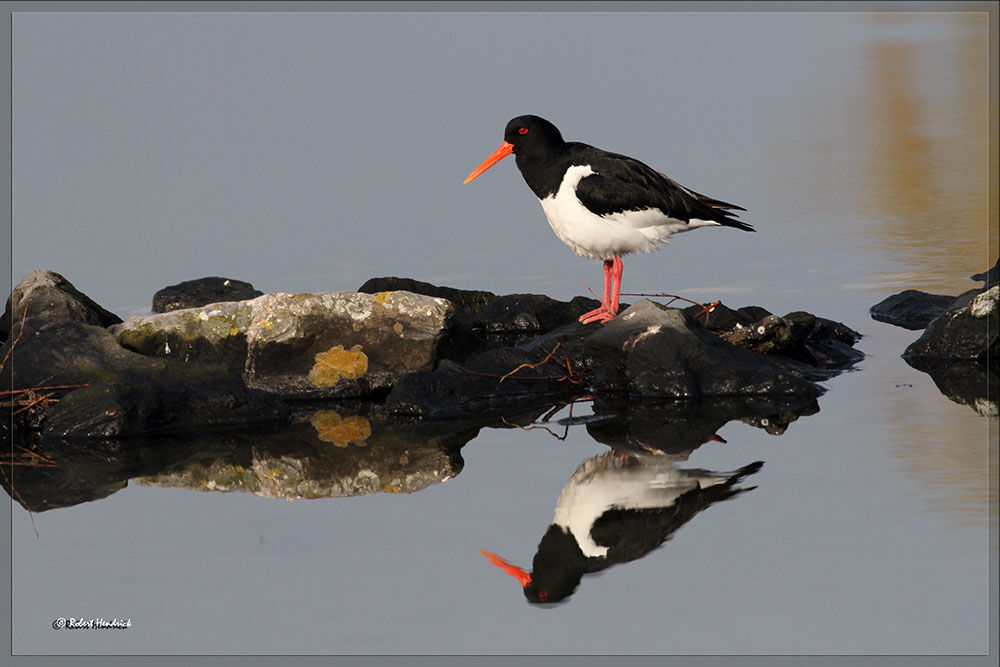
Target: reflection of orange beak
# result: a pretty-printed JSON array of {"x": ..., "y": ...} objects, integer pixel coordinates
[
  {"x": 512, "y": 570},
  {"x": 499, "y": 154}
]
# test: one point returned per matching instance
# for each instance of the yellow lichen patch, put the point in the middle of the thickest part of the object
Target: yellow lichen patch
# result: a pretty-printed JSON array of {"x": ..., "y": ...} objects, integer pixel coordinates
[
  {"x": 383, "y": 297},
  {"x": 233, "y": 331},
  {"x": 392, "y": 487},
  {"x": 397, "y": 327},
  {"x": 331, "y": 427},
  {"x": 338, "y": 363},
  {"x": 404, "y": 459},
  {"x": 266, "y": 324}
]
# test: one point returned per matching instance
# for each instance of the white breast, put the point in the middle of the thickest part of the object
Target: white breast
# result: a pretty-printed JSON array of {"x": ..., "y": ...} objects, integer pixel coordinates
[
  {"x": 604, "y": 237},
  {"x": 606, "y": 482}
]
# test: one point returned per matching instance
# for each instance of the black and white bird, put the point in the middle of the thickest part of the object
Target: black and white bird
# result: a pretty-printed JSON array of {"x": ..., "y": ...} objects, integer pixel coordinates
[
  {"x": 604, "y": 205},
  {"x": 616, "y": 509}
]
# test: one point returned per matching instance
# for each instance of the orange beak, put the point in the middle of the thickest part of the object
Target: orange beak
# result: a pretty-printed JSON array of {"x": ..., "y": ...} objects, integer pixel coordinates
[
  {"x": 499, "y": 154},
  {"x": 513, "y": 570}
]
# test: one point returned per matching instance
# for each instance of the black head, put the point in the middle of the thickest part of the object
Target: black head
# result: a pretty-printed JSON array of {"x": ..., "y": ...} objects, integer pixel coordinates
[
  {"x": 536, "y": 144},
  {"x": 529, "y": 134}
]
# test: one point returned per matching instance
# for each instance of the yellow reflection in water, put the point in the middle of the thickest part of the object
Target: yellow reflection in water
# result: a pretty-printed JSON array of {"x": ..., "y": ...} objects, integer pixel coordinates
[{"x": 929, "y": 170}]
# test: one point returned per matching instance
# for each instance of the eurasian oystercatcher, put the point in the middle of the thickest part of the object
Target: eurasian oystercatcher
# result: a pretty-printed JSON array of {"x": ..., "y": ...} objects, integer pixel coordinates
[
  {"x": 603, "y": 205},
  {"x": 616, "y": 509}
]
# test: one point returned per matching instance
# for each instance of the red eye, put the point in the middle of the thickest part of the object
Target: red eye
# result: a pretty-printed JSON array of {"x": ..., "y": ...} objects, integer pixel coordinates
[{"x": 522, "y": 130}]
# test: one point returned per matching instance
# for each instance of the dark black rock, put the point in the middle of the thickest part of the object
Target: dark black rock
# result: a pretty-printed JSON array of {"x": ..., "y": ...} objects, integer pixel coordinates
[
  {"x": 990, "y": 277},
  {"x": 967, "y": 331},
  {"x": 797, "y": 338},
  {"x": 529, "y": 314},
  {"x": 127, "y": 393},
  {"x": 479, "y": 390},
  {"x": 200, "y": 292},
  {"x": 48, "y": 295},
  {"x": 465, "y": 302},
  {"x": 651, "y": 350},
  {"x": 911, "y": 309}
]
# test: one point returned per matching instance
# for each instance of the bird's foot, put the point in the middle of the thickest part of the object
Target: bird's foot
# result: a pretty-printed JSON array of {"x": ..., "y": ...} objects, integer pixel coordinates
[{"x": 602, "y": 315}]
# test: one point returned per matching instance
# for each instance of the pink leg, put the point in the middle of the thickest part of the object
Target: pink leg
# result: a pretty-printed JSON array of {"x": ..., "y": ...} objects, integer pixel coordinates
[
  {"x": 612, "y": 287},
  {"x": 616, "y": 275}
]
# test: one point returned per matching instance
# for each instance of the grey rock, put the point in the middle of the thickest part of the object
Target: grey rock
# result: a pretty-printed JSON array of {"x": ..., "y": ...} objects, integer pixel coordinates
[
  {"x": 47, "y": 294},
  {"x": 331, "y": 344}
]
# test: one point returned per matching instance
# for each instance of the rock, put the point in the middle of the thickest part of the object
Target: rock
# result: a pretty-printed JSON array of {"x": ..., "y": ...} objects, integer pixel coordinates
[
  {"x": 465, "y": 302},
  {"x": 200, "y": 292},
  {"x": 911, "y": 309},
  {"x": 461, "y": 340},
  {"x": 990, "y": 277},
  {"x": 324, "y": 345},
  {"x": 48, "y": 295},
  {"x": 652, "y": 350},
  {"x": 529, "y": 314},
  {"x": 967, "y": 331},
  {"x": 478, "y": 389},
  {"x": 799, "y": 336},
  {"x": 127, "y": 393}
]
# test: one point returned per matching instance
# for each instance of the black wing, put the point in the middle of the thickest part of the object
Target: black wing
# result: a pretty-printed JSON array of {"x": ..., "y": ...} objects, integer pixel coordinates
[{"x": 622, "y": 184}]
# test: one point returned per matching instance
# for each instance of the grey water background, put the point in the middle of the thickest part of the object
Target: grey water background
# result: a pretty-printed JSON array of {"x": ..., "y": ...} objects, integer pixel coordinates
[{"x": 307, "y": 152}]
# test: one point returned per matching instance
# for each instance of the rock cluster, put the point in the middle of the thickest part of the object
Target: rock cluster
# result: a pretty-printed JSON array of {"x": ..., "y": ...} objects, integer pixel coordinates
[
  {"x": 960, "y": 343},
  {"x": 418, "y": 349}
]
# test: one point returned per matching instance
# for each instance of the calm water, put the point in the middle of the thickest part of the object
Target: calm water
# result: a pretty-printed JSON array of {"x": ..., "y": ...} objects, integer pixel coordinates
[{"x": 158, "y": 148}]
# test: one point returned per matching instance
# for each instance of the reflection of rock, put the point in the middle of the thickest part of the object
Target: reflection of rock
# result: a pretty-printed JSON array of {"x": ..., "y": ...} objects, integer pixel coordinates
[
  {"x": 341, "y": 431},
  {"x": 617, "y": 509},
  {"x": 672, "y": 427},
  {"x": 328, "y": 454},
  {"x": 201, "y": 292},
  {"x": 302, "y": 345},
  {"x": 966, "y": 383},
  {"x": 967, "y": 331},
  {"x": 331, "y": 456}
]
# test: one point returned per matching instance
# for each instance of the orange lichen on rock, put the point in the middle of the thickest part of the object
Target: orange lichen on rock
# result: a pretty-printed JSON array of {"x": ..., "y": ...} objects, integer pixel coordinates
[
  {"x": 337, "y": 363},
  {"x": 331, "y": 427}
]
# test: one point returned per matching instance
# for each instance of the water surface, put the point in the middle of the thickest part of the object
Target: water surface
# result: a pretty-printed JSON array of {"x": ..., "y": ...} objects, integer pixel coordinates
[{"x": 309, "y": 152}]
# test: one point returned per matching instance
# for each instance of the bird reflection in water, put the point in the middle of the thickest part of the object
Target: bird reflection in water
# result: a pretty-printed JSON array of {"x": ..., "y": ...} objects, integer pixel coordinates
[{"x": 617, "y": 508}]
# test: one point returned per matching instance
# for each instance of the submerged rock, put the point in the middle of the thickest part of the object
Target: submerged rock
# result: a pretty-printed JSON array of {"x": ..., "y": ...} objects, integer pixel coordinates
[
  {"x": 203, "y": 291},
  {"x": 46, "y": 294},
  {"x": 911, "y": 309},
  {"x": 990, "y": 277}
]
